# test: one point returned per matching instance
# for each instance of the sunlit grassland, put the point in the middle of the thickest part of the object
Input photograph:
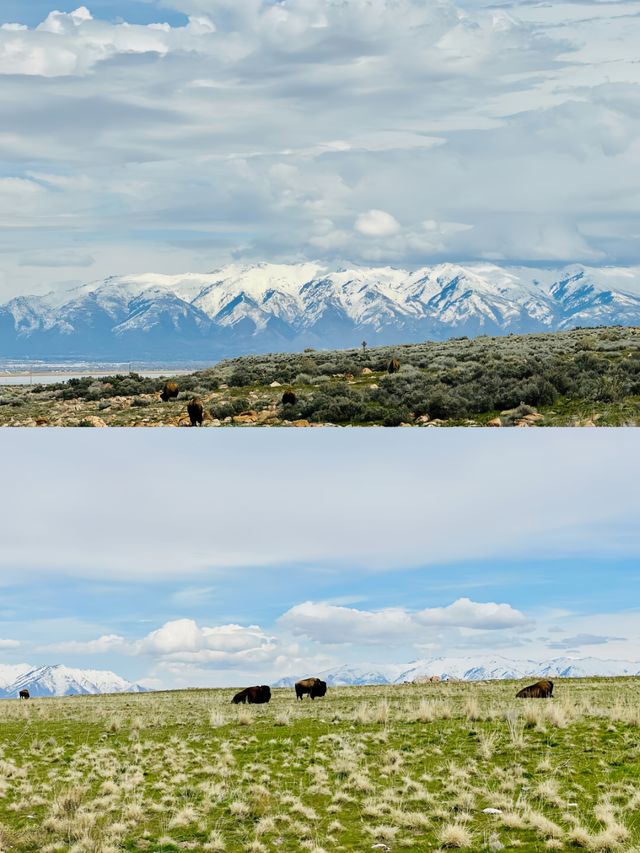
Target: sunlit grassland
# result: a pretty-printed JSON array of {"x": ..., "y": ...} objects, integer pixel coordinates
[{"x": 410, "y": 767}]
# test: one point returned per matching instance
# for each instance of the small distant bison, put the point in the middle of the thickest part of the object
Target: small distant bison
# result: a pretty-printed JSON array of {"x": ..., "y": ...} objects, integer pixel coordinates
[
  {"x": 24, "y": 694},
  {"x": 258, "y": 695},
  {"x": 394, "y": 366},
  {"x": 313, "y": 686},
  {"x": 195, "y": 410},
  {"x": 169, "y": 391},
  {"x": 540, "y": 690},
  {"x": 289, "y": 398}
]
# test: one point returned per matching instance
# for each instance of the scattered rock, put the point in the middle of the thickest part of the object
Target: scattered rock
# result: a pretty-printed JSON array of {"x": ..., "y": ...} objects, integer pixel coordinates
[
  {"x": 423, "y": 419},
  {"x": 366, "y": 371},
  {"x": 92, "y": 421},
  {"x": 275, "y": 384},
  {"x": 491, "y": 811}
]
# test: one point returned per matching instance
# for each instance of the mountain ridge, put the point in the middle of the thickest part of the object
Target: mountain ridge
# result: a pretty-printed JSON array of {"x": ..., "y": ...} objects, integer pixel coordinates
[
  {"x": 253, "y": 308},
  {"x": 469, "y": 669},
  {"x": 61, "y": 680}
]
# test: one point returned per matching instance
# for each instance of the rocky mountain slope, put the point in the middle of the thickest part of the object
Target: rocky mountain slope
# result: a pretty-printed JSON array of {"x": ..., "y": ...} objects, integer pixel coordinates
[{"x": 277, "y": 307}]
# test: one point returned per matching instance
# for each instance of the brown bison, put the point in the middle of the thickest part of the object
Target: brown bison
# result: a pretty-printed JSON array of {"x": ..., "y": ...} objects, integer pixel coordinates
[
  {"x": 540, "y": 690},
  {"x": 289, "y": 398},
  {"x": 169, "y": 391},
  {"x": 258, "y": 695},
  {"x": 394, "y": 366},
  {"x": 195, "y": 410},
  {"x": 24, "y": 694},
  {"x": 313, "y": 686}
]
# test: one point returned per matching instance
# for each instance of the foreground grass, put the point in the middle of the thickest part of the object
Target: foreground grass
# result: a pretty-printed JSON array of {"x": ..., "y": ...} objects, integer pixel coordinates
[{"x": 409, "y": 767}]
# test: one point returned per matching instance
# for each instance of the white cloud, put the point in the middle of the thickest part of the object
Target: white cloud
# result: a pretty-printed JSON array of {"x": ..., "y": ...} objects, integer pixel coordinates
[
  {"x": 465, "y": 613},
  {"x": 376, "y": 223},
  {"x": 184, "y": 640},
  {"x": 327, "y": 623},
  {"x": 9, "y": 644},
  {"x": 107, "y": 644}
]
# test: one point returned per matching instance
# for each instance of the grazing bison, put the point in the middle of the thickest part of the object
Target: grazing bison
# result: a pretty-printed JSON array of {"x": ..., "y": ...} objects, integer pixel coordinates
[
  {"x": 258, "y": 695},
  {"x": 24, "y": 694},
  {"x": 540, "y": 690},
  {"x": 313, "y": 686},
  {"x": 195, "y": 410},
  {"x": 394, "y": 366},
  {"x": 289, "y": 398},
  {"x": 169, "y": 391}
]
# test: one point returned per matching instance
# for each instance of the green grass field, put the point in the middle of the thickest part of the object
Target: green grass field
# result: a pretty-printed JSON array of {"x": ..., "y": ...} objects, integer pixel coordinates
[{"x": 409, "y": 767}]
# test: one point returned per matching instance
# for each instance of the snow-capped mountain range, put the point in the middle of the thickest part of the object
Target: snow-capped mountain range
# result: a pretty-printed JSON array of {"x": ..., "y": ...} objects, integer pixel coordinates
[
  {"x": 468, "y": 669},
  {"x": 286, "y": 307},
  {"x": 60, "y": 680}
]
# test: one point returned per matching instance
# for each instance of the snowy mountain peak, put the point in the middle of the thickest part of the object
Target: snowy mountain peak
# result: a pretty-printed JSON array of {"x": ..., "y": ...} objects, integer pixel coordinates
[
  {"x": 244, "y": 308},
  {"x": 60, "y": 680}
]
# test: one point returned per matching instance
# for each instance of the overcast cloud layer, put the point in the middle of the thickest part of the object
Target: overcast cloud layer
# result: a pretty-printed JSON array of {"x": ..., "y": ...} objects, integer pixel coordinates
[
  {"x": 279, "y": 552},
  {"x": 368, "y": 130}
]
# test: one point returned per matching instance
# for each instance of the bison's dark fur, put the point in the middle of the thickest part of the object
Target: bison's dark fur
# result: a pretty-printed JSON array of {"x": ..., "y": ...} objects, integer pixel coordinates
[
  {"x": 195, "y": 410},
  {"x": 258, "y": 695},
  {"x": 394, "y": 366},
  {"x": 313, "y": 686},
  {"x": 540, "y": 690},
  {"x": 289, "y": 398},
  {"x": 170, "y": 390},
  {"x": 24, "y": 694}
]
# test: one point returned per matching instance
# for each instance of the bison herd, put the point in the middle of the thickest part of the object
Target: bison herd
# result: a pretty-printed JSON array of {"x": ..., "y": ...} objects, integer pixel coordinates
[
  {"x": 195, "y": 407},
  {"x": 315, "y": 688},
  {"x": 261, "y": 694}
]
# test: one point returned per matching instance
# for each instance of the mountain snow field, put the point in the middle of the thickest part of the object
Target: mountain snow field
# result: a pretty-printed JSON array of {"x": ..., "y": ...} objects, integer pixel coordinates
[{"x": 286, "y": 307}]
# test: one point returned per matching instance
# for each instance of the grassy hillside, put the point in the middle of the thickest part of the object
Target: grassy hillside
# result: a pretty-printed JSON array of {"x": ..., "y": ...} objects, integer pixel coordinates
[
  {"x": 579, "y": 378},
  {"x": 410, "y": 767}
]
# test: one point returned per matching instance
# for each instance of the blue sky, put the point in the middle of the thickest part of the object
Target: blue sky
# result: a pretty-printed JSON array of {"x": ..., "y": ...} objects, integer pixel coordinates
[
  {"x": 263, "y": 554},
  {"x": 34, "y": 12},
  {"x": 184, "y": 134}
]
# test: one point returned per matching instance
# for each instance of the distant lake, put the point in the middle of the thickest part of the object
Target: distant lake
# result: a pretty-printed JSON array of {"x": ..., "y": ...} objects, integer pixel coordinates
[{"x": 20, "y": 377}]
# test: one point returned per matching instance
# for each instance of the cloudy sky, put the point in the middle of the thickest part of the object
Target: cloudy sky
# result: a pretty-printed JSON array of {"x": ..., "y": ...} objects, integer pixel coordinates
[
  {"x": 170, "y": 135},
  {"x": 179, "y": 561}
]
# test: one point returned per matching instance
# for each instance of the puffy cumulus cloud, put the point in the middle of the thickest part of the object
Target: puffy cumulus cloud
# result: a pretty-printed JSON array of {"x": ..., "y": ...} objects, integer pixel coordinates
[
  {"x": 278, "y": 130},
  {"x": 376, "y": 223},
  {"x": 465, "y": 613},
  {"x": 328, "y": 623},
  {"x": 184, "y": 640}
]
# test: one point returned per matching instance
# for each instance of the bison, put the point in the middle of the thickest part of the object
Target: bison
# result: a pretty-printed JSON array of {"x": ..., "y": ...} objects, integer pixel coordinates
[
  {"x": 258, "y": 695},
  {"x": 195, "y": 410},
  {"x": 313, "y": 686},
  {"x": 540, "y": 690},
  {"x": 169, "y": 391},
  {"x": 394, "y": 366},
  {"x": 24, "y": 694},
  {"x": 289, "y": 398}
]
